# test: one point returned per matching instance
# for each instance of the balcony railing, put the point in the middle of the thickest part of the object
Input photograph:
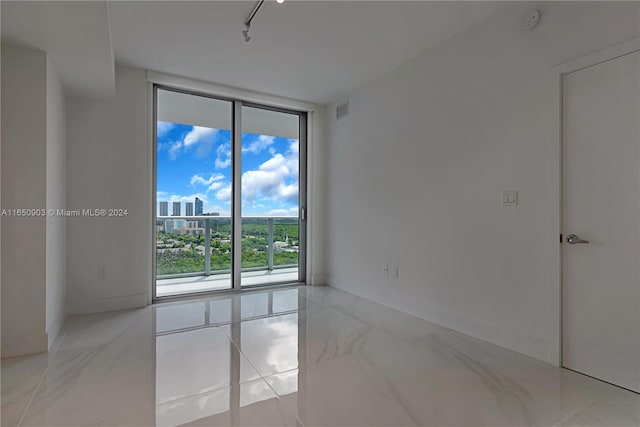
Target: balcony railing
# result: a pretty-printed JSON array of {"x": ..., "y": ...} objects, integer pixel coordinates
[{"x": 208, "y": 221}]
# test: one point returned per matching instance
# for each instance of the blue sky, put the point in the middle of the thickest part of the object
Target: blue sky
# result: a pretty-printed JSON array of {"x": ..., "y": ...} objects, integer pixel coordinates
[{"x": 195, "y": 162}]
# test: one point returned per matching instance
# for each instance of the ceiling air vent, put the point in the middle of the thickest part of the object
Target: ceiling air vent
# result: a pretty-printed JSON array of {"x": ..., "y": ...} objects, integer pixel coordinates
[{"x": 342, "y": 110}]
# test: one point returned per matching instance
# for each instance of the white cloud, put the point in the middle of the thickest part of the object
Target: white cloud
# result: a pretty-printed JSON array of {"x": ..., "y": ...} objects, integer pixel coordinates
[
  {"x": 174, "y": 149},
  {"x": 289, "y": 191},
  {"x": 223, "y": 164},
  {"x": 163, "y": 128},
  {"x": 294, "y": 146},
  {"x": 259, "y": 144},
  {"x": 270, "y": 180},
  {"x": 215, "y": 185},
  {"x": 198, "y": 179},
  {"x": 199, "y": 138},
  {"x": 273, "y": 185},
  {"x": 293, "y": 156},
  {"x": 199, "y": 134},
  {"x": 223, "y": 156},
  {"x": 224, "y": 194}
]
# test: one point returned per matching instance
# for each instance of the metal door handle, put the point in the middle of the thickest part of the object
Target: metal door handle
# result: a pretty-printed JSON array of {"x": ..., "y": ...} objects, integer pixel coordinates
[{"x": 572, "y": 239}]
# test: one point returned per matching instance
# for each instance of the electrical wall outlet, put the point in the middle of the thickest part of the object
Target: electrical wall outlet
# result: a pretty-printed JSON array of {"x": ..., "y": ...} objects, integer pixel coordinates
[
  {"x": 102, "y": 272},
  {"x": 385, "y": 269}
]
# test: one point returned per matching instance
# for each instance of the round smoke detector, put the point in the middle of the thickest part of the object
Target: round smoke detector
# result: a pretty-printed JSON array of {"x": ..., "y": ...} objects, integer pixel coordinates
[{"x": 531, "y": 19}]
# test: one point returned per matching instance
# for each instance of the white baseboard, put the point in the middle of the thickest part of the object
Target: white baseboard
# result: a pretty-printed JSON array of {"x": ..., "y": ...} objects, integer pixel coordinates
[
  {"x": 23, "y": 345},
  {"x": 55, "y": 328},
  {"x": 97, "y": 305},
  {"x": 318, "y": 279},
  {"x": 494, "y": 334}
]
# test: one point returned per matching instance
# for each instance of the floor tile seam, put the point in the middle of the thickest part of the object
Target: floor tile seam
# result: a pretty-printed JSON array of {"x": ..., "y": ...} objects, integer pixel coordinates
[
  {"x": 84, "y": 348},
  {"x": 190, "y": 396},
  {"x": 239, "y": 350},
  {"x": 57, "y": 344},
  {"x": 278, "y": 395},
  {"x": 410, "y": 342},
  {"x": 265, "y": 377},
  {"x": 262, "y": 377},
  {"x": 385, "y": 332},
  {"x": 266, "y": 316},
  {"x": 138, "y": 318},
  {"x": 204, "y": 393},
  {"x": 379, "y": 329},
  {"x": 562, "y": 420},
  {"x": 194, "y": 395},
  {"x": 579, "y": 409},
  {"x": 228, "y": 323},
  {"x": 188, "y": 329},
  {"x": 375, "y": 327},
  {"x": 423, "y": 351}
]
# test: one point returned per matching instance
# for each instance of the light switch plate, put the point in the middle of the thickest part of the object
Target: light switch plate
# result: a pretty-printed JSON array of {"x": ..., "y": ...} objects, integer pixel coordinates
[{"x": 509, "y": 198}]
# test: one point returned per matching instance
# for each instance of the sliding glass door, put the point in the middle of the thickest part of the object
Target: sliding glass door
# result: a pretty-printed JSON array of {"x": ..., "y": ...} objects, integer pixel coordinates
[
  {"x": 270, "y": 196},
  {"x": 193, "y": 186},
  {"x": 230, "y": 179}
]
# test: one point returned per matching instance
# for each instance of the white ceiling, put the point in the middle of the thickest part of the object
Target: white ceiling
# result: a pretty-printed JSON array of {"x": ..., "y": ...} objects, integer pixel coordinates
[
  {"x": 74, "y": 34},
  {"x": 315, "y": 51}
]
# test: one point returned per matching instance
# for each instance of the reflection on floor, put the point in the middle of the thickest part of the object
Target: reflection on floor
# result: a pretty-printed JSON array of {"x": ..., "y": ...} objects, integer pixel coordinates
[
  {"x": 301, "y": 356},
  {"x": 216, "y": 282}
]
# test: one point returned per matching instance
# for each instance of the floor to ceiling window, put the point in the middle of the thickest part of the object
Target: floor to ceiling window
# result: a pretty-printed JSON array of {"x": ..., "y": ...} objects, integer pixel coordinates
[
  {"x": 230, "y": 182},
  {"x": 270, "y": 196}
]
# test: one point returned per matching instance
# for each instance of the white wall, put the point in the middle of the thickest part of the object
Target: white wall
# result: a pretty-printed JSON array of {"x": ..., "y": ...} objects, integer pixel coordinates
[
  {"x": 56, "y": 248},
  {"x": 109, "y": 166},
  {"x": 24, "y": 133},
  {"x": 415, "y": 174}
]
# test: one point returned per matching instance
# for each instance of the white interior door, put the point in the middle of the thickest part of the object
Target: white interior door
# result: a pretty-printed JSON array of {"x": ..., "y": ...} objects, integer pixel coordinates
[{"x": 601, "y": 175}]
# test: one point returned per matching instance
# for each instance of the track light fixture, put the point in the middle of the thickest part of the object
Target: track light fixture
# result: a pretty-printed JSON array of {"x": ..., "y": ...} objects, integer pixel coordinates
[
  {"x": 245, "y": 33},
  {"x": 254, "y": 11}
]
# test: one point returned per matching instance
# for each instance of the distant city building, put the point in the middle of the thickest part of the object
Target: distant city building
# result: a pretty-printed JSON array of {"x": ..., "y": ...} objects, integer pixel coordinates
[
  {"x": 199, "y": 206},
  {"x": 176, "y": 208},
  {"x": 182, "y": 226},
  {"x": 164, "y": 208},
  {"x": 192, "y": 228},
  {"x": 212, "y": 214},
  {"x": 188, "y": 208}
]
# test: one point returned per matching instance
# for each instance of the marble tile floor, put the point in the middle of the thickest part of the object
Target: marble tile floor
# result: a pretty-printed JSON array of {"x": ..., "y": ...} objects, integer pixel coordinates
[{"x": 298, "y": 356}]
